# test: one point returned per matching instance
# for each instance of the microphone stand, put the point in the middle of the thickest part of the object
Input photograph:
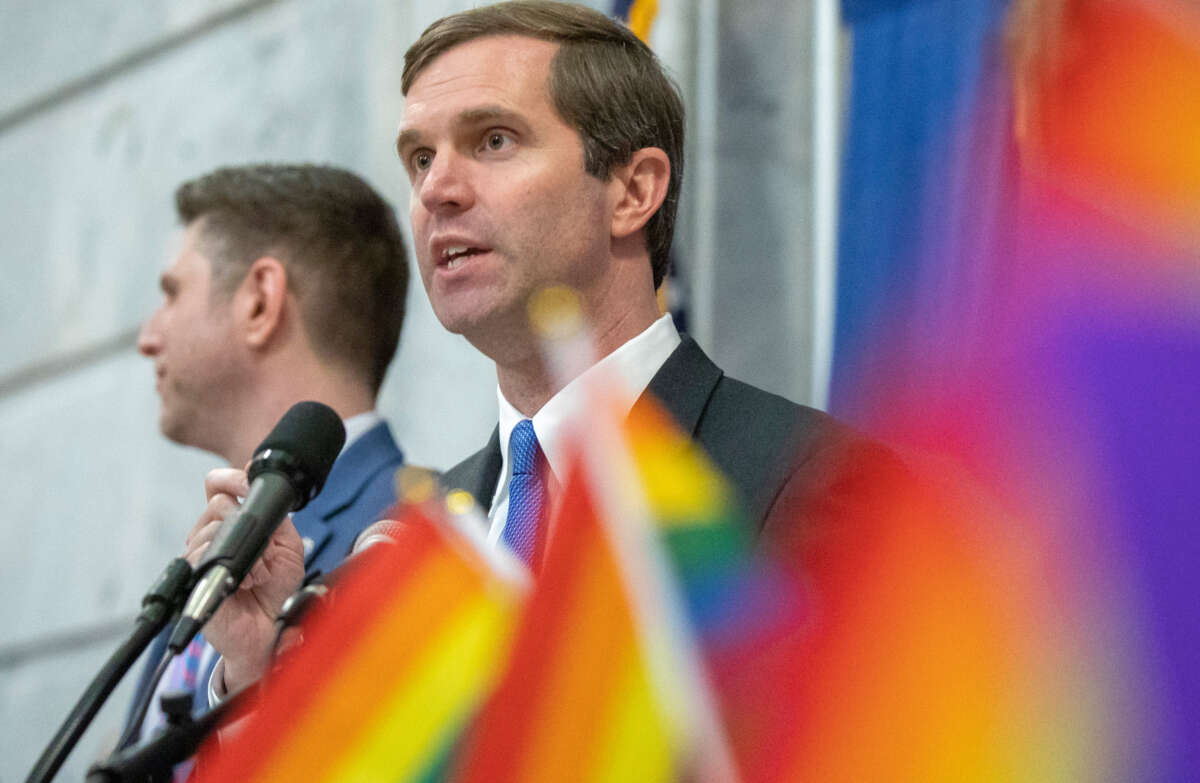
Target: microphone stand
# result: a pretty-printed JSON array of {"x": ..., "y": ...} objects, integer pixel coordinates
[
  {"x": 164, "y": 598},
  {"x": 153, "y": 761}
]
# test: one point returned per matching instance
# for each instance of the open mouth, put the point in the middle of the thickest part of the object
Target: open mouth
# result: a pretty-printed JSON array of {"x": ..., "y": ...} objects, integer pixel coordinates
[{"x": 454, "y": 257}]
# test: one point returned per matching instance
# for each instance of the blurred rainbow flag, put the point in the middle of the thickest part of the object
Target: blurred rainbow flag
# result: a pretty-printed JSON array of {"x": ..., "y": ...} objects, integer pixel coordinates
[
  {"x": 604, "y": 682},
  {"x": 1108, "y": 98},
  {"x": 744, "y": 613},
  {"x": 388, "y": 674},
  {"x": 911, "y": 646},
  {"x": 577, "y": 701},
  {"x": 1019, "y": 310}
]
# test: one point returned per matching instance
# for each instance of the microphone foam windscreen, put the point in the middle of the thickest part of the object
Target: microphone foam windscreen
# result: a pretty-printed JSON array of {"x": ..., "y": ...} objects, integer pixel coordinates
[
  {"x": 385, "y": 531},
  {"x": 312, "y": 434}
]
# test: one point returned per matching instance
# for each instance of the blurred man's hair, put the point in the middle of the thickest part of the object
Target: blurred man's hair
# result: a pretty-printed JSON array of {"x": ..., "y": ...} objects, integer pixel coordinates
[{"x": 337, "y": 239}]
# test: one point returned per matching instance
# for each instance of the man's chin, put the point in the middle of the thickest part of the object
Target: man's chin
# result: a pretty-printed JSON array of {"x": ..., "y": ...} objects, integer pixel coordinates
[
  {"x": 174, "y": 436},
  {"x": 460, "y": 318},
  {"x": 172, "y": 428}
]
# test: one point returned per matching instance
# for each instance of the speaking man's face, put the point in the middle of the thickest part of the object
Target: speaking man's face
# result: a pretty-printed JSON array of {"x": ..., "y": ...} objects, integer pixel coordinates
[
  {"x": 501, "y": 204},
  {"x": 190, "y": 337}
]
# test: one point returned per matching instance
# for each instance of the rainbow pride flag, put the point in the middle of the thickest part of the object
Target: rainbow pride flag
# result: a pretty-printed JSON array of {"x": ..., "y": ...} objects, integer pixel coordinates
[
  {"x": 912, "y": 647},
  {"x": 745, "y": 612},
  {"x": 1110, "y": 110},
  {"x": 1030, "y": 336},
  {"x": 577, "y": 701},
  {"x": 702, "y": 528},
  {"x": 585, "y": 698},
  {"x": 388, "y": 674}
]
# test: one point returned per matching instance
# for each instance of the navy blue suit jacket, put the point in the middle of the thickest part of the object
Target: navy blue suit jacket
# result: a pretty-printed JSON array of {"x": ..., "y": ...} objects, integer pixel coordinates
[{"x": 359, "y": 490}]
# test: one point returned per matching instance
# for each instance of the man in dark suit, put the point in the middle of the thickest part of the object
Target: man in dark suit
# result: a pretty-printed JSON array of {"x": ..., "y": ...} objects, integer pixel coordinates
[
  {"x": 573, "y": 179},
  {"x": 544, "y": 146},
  {"x": 289, "y": 285}
]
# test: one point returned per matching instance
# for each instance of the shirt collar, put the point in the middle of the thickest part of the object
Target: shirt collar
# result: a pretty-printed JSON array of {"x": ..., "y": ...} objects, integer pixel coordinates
[
  {"x": 357, "y": 426},
  {"x": 632, "y": 365}
]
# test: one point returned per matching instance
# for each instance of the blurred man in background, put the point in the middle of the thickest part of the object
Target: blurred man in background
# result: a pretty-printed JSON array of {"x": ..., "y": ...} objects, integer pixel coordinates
[{"x": 289, "y": 285}]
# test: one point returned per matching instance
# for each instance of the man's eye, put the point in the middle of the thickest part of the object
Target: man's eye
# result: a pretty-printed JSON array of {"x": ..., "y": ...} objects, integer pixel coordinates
[
  {"x": 496, "y": 141},
  {"x": 422, "y": 159}
]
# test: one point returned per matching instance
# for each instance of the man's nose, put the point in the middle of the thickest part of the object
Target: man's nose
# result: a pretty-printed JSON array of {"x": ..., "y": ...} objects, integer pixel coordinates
[
  {"x": 447, "y": 184},
  {"x": 149, "y": 340}
]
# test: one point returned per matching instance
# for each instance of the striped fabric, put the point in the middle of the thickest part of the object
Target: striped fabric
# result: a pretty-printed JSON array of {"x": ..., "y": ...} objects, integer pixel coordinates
[
  {"x": 576, "y": 702},
  {"x": 386, "y": 677}
]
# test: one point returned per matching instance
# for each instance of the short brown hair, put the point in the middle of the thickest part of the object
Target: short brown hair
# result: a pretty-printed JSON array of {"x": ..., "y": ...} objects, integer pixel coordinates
[
  {"x": 337, "y": 238},
  {"x": 605, "y": 83}
]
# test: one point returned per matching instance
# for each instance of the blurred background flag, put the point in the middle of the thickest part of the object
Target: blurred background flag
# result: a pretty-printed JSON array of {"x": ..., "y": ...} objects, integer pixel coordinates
[
  {"x": 1019, "y": 272},
  {"x": 638, "y": 14}
]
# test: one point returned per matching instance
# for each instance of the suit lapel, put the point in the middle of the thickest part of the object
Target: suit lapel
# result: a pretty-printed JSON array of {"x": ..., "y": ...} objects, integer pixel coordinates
[
  {"x": 351, "y": 472},
  {"x": 478, "y": 473},
  {"x": 684, "y": 384}
]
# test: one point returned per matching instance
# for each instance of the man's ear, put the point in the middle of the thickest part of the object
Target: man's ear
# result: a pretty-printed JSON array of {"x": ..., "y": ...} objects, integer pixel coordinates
[
  {"x": 260, "y": 301},
  {"x": 640, "y": 188}
]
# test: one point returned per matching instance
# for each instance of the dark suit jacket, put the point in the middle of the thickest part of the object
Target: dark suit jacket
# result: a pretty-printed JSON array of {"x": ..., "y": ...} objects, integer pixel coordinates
[
  {"x": 798, "y": 471},
  {"x": 358, "y": 491}
]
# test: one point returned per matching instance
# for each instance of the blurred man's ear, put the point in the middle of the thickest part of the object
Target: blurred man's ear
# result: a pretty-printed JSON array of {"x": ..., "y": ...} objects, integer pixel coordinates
[{"x": 260, "y": 299}]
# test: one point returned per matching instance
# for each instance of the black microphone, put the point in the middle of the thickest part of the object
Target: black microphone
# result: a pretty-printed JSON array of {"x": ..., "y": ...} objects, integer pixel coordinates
[{"x": 288, "y": 470}]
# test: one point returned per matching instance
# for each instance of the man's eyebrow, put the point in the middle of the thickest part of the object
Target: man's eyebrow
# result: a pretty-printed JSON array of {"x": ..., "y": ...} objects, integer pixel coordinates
[
  {"x": 478, "y": 115},
  {"x": 407, "y": 138},
  {"x": 482, "y": 114}
]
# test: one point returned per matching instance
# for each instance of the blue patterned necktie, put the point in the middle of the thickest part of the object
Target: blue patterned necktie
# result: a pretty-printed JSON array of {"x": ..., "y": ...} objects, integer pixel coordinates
[{"x": 526, "y": 491}]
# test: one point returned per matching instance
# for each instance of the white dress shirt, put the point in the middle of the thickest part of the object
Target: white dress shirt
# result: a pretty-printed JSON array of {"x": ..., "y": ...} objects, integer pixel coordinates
[{"x": 631, "y": 368}]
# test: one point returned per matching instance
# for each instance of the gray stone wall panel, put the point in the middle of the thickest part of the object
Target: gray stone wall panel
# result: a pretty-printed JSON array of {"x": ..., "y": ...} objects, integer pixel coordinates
[
  {"x": 36, "y": 698},
  {"x": 95, "y": 504},
  {"x": 95, "y": 500},
  {"x": 764, "y": 169},
  {"x": 85, "y": 190},
  {"x": 48, "y": 45}
]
